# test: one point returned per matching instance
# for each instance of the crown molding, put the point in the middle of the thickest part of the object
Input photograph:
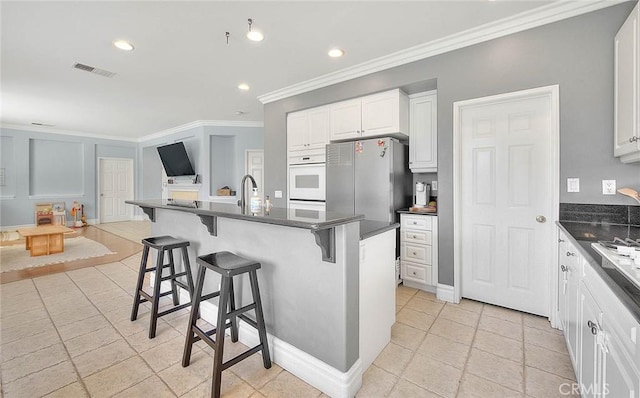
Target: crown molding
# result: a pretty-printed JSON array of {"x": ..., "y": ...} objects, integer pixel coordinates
[
  {"x": 557, "y": 11},
  {"x": 53, "y": 130},
  {"x": 200, "y": 123}
]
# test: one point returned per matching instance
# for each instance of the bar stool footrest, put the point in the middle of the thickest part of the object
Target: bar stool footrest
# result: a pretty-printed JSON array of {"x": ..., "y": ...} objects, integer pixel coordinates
[
  {"x": 242, "y": 356},
  {"x": 206, "y": 335},
  {"x": 174, "y": 309},
  {"x": 249, "y": 320}
]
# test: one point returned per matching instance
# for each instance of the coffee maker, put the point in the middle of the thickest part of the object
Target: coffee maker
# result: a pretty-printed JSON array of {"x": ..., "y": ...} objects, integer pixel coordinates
[{"x": 423, "y": 193}]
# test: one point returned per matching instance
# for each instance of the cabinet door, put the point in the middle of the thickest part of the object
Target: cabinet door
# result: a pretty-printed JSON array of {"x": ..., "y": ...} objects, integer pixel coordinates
[
  {"x": 620, "y": 377},
  {"x": 383, "y": 113},
  {"x": 627, "y": 45},
  {"x": 345, "y": 120},
  {"x": 297, "y": 131},
  {"x": 423, "y": 134},
  {"x": 318, "y": 127},
  {"x": 572, "y": 331},
  {"x": 589, "y": 364}
]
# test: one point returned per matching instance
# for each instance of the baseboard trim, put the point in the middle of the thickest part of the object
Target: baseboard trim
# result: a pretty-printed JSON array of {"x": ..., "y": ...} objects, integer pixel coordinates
[
  {"x": 325, "y": 378},
  {"x": 445, "y": 293}
]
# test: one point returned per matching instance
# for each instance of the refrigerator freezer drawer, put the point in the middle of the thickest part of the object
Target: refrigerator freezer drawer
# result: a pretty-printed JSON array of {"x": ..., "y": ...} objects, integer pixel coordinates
[
  {"x": 416, "y": 222},
  {"x": 417, "y": 253},
  {"x": 416, "y": 236},
  {"x": 416, "y": 272}
]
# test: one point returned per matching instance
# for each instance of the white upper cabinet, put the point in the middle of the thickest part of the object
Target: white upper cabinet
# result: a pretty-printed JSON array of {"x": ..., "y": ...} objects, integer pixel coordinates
[
  {"x": 346, "y": 118},
  {"x": 382, "y": 114},
  {"x": 308, "y": 129},
  {"x": 627, "y": 90},
  {"x": 423, "y": 132}
]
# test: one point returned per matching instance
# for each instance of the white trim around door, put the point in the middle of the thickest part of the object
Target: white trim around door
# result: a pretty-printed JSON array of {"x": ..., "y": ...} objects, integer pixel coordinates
[{"x": 552, "y": 92}]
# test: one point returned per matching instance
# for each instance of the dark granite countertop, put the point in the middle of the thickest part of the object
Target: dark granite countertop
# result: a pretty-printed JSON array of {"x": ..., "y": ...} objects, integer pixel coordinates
[
  {"x": 297, "y": 218},
  {"x": 369, "y": 228},
  {"x": 583, "y": 234}
]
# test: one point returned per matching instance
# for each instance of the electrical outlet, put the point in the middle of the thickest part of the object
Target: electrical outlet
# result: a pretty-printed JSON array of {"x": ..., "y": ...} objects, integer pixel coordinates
[
  {"x": 278, "y": 194},
  {"x": 434, "y": 185},
  {"x": 573, "y": 185},
  {"x": 608, "y": 187}
]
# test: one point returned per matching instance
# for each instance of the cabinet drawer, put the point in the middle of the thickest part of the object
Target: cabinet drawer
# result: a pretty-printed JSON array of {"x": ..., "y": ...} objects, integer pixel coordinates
[
  {"x": 416, "y": 273},
  {"x": 417, "y": 253},
  {"x": 409, "y": 221},
  {"x": 415, "y": 236}
]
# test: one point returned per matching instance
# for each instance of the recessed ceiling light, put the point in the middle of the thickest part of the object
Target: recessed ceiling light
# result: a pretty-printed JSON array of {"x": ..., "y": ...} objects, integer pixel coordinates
[
  {"x": 336, "y": 52},
  {"x": 123, "y": 45},
  {"x": 240, "y": 112},
  {"x": 243, "y": 86},
  {"x": 252, "y": 34}
]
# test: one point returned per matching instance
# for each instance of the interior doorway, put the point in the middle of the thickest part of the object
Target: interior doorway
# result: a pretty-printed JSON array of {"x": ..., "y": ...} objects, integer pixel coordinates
[
  {"x": 506, "y": 194},
  {"x": 115, "y": 186}
]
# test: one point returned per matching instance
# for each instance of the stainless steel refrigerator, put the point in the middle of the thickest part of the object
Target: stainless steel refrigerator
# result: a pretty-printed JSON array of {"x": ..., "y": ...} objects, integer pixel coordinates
[{"x": 369, "y": 177}]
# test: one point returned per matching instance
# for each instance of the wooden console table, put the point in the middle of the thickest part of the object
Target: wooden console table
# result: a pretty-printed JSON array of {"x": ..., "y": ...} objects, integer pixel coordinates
[{"x": 44, "y": 240}]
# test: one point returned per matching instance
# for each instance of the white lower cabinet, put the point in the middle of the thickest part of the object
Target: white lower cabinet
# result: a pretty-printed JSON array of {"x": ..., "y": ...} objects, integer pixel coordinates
[
  {"x": 418, "y": 250},
  {"x": 600, "y": 332},
  {"x": 570, "y": 270}
]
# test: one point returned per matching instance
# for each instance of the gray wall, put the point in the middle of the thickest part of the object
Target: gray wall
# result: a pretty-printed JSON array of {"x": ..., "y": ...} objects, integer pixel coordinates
[
  {"x": 576, "y": 54},
  {"x": 216, "y": 152},
  {"x": 43, "y": 168}
]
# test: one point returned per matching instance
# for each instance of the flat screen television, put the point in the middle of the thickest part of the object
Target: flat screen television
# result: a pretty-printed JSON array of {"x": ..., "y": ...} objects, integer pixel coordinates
[{"x": 175, "y": 160}]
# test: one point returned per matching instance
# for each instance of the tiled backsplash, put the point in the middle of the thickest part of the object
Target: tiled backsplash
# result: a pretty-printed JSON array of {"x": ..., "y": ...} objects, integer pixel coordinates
[{"x": 612, "y": 214}]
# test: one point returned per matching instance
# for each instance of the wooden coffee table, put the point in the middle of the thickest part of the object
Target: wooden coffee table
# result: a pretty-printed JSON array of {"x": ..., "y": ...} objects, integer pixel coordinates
[{"x": 45, "y": 239}]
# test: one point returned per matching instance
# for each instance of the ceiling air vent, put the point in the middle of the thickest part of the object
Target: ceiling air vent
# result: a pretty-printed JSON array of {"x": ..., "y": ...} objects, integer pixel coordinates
[{"x": 92, "y": 69}]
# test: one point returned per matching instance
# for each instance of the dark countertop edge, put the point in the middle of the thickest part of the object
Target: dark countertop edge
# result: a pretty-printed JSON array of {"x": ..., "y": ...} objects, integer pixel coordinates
[
  {"x": 314, "y": 226},
  {"x": 617, "y": 290},
  {"x": 406, "y": 211},
  {"x": 369, "y": 228}
]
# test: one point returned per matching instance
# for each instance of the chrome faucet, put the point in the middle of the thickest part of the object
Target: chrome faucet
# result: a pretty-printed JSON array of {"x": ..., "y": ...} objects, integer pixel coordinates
[{"x": 243, "y": 201}]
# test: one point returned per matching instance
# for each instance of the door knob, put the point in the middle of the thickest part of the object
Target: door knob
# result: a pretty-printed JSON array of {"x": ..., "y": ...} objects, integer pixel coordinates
[{"x": 541, "y": 219}]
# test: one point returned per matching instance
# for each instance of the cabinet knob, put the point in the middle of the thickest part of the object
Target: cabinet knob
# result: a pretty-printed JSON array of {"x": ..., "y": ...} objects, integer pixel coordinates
[
  {"x": 560, "y": 240},
  {"x": 570, "y": 254},
  {"x": 414, "y": 237},
  {"x": 633, "y": 139},
  {"x": 564, "y": 268},
  {"x": 415, "y": 222},
  {"x": 414, "y": 253}
]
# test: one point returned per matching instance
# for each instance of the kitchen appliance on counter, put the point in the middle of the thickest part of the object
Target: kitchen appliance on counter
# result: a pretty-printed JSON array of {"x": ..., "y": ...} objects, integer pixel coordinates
[
  {"x": 423, "y": 192},
  {"x": 369, "y": 177}
]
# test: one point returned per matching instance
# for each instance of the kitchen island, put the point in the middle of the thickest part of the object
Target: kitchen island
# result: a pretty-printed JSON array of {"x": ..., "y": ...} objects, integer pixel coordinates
[{"x": 319, "y": 281}]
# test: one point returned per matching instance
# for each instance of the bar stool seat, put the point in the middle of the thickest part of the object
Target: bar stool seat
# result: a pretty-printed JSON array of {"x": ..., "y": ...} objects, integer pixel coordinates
[
  {"x": 227, "y": 265},
  {"x": 162, "y": 244}
]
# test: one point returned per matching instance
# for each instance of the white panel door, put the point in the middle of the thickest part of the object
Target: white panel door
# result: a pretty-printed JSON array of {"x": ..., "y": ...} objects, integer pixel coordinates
[
  {"x": 116, "y": 186},
  {"x": 506, "y": 190},
  {"x": 254, "y": 165}
]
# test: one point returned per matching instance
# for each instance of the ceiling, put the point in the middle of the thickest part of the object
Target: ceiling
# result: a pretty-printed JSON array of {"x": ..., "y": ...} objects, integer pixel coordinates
[{"x": 182, "y": 70}]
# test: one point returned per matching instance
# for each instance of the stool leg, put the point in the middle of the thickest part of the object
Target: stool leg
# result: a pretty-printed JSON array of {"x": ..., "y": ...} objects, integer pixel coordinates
[
  {"x": 141, "y": 272},
  {"x": 232, "y": 307},
  {"x": 193, "y": 316},
  {"x": 216, "y": 381},
  {"x": 187, "y": 268},
  {"x": 174, "y": 288},
  {"x": 156, "y": 295},
  {"x": 262, "y": 331}
]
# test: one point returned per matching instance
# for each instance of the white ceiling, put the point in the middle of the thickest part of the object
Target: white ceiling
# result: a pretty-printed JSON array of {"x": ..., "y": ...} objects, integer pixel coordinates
[{"x": 182, "y": 70}]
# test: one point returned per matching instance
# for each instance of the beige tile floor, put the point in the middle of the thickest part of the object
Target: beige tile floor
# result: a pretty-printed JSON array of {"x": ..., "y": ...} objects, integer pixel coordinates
[{"x": 69, "y": 335}]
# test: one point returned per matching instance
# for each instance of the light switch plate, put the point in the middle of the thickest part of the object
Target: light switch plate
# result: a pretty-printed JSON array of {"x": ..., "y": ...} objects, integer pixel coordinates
[
  {"x": 608, "y": 187},
  {"x": 573, "y": 185},
  {"x": 434, "y": 185},
  {"x": 278, "y": 194}
]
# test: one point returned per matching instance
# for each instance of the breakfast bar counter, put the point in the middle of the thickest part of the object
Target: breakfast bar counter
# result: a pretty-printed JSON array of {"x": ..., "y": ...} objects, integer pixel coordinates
[{"x": 312, "y": 268}]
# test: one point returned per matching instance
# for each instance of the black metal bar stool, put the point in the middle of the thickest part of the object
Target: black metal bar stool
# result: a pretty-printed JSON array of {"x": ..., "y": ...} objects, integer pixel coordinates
[
  {"x": 162, "y": 244},
  {"x": 227, "y": 265}
]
